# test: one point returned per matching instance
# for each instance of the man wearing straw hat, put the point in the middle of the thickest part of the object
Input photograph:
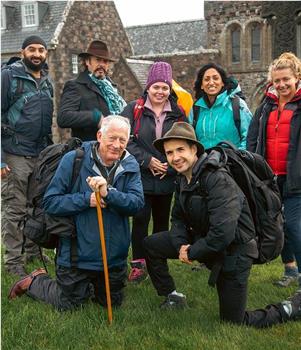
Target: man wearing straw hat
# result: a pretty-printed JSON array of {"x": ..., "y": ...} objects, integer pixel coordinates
[
  {"x": 108, "y": 168},
  {"x": 211, "y": 226},
  {"x": 92, "y": 95}
]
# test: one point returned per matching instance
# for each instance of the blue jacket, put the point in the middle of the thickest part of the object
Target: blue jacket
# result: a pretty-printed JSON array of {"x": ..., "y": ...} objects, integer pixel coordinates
[
  {"x": 124, "y": 199},
  {"x": 26, "y": 111},
  {"x": 216, "y": 124}
]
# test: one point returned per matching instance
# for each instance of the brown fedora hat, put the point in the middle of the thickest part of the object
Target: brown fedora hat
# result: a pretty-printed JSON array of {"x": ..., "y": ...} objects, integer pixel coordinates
[
  {"x": 182, "y": 131},
  {"x": 97, "y": 48}
]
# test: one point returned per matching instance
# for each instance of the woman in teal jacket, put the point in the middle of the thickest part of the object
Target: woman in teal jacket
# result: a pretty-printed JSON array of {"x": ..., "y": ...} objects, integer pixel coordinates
[{"x": 213, "y": 115}]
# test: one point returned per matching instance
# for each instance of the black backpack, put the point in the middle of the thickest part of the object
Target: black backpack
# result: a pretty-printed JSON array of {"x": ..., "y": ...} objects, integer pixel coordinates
[
  {"x": 41, "y": 228},
  {"x": 236, "y": 112},
  {"x": 258, "y": 182}
]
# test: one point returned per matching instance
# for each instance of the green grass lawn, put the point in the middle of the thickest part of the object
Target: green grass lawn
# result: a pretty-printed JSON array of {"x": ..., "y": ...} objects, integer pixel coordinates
[{"x": 140, "y": 324}]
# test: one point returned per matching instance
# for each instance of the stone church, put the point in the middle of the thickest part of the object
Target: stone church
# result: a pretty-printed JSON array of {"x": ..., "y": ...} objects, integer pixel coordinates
[{"x": 242, "y": 36}]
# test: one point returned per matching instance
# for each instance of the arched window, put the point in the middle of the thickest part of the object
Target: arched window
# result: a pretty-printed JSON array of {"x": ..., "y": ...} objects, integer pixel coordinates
[
  {"x": 255, "y": 43},
  {"x": 235, "y": 45}
]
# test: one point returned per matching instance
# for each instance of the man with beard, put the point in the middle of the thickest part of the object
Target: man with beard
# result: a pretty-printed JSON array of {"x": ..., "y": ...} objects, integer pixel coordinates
[
  {"x": 26, "y": 118},
  {"x": 91, "y": 96}
]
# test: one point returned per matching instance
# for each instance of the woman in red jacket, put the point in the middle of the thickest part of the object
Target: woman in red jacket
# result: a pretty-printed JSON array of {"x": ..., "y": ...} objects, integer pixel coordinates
[{"x": 275, "y": 133}]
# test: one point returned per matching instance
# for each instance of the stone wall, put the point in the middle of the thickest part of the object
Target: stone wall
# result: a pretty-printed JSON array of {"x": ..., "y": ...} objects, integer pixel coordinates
[
  {"x": 221, "y": 17},
  {"x": 86, "y": 21},
  {"x": 184, "y": 66},
  {"x": 128, "y": 86}
]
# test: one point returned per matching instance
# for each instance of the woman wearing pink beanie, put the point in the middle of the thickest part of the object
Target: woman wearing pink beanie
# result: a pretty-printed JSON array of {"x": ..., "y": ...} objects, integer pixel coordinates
[{"x": 151, "y": 116}]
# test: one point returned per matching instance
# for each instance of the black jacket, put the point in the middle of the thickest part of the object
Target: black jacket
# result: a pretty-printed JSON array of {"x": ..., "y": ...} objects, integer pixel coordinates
[
  {"x": 256, "y": 139},
  {"x": 79, "y": 99},
  {"x": 142, "y": 146},
  {"x": 211, "y": 213}
]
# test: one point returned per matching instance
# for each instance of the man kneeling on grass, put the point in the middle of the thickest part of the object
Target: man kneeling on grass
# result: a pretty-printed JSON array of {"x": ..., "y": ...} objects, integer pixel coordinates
[
  {"x": 205, "y": 226},
  {"x": 110, "y": 169}
]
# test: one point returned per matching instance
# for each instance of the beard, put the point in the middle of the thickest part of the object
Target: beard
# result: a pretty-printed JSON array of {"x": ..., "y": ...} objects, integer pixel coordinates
[{"x": 33, "y": 66}]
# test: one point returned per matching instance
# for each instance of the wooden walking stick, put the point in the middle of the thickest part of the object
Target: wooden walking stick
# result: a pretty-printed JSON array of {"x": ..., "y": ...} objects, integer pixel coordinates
[{"x": 104, "y": 257}]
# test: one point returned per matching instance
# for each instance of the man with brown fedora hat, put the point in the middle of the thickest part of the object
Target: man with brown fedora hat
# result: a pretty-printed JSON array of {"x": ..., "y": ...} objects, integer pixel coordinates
[
  {"x": 212, "y": 224},
  {"x": 91, "y": 96}
]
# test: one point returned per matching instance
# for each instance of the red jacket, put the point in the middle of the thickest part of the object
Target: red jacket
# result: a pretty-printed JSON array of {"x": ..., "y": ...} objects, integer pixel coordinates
[
  {"x": 278, "y": 133},
  {"x": 277, "y": 139}
]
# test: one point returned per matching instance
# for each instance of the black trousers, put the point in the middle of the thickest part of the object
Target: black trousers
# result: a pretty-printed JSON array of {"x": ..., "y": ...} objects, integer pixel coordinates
[
  {"x": 157, "y": 206},
  {"x": 73, "y": 287},
  {"x": 231, "y": 284}
]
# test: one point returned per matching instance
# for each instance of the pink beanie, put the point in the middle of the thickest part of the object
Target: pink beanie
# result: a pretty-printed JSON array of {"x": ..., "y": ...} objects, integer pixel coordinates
[{"x": 159, "y": 72}]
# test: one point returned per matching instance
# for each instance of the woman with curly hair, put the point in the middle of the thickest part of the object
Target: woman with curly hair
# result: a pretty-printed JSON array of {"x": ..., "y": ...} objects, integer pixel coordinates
[
  {"x": 275, "y": 133},
  {"x": 213, "y": 114}
]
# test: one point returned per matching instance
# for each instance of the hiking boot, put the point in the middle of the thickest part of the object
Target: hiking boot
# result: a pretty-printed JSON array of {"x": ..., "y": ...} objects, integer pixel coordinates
[
  {"x": 174, "y": 301},
  {"x": 21, "y": 286},
  {"x": 138, "y": 271},
  {"x": 286, "y": 281},
  {"x": 18, "y": 270},
  {"x": 292, "y": 306}
]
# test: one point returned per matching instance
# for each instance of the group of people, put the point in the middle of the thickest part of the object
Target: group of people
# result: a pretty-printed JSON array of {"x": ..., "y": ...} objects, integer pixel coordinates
[{"x": 138, "y": 156}]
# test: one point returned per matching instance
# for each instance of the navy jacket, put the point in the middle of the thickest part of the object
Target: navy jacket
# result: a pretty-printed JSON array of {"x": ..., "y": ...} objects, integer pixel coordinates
[
  {"x": 26, "y": 111},
  {"x": 124, "y": 199}
]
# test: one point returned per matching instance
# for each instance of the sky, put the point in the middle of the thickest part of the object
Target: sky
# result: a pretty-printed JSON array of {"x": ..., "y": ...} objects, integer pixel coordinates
[{"x": 138, "y": 12}]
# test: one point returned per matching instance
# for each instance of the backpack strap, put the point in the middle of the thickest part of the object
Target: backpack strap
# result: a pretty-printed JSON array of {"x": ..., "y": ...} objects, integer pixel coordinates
[
  {"x": 196, "y": 113},
  {"x": 137, "y": 113},
  {"x": 236, "y": 113},
  {"x": 77, "y": 164}
]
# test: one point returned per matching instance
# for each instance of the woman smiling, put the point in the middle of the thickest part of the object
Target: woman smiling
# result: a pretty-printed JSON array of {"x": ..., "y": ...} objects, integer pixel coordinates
[{"x": 213, "y": 115}]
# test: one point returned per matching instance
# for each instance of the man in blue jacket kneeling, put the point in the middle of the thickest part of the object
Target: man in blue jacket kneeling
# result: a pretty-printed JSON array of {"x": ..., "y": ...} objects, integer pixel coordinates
[{"x": 109, "y": 168}]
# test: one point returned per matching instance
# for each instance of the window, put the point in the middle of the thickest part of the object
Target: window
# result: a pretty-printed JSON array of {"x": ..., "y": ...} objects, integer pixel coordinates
[
  {"x": 255, "y": 43},
  {"x": 30, "y": 14},
  {"x": 235, "y": 44},
  {"x": 3, "y": 17},
  {"x": 74, "y": 61}
]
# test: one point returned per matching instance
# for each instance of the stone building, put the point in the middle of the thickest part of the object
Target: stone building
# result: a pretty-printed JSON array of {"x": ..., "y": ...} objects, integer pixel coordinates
[
  {"x": 243, "y": 36},
  {"x": 67, "y": 27},
  {"x": 249, "y": 34}
]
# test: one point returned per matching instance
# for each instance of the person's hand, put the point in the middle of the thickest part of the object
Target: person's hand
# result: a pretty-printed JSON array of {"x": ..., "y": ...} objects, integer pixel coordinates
[
  {"x": 183, "y": 254},
  {"x": 157, "y": 167},
  {"x": 93, "y": 201},
  {"x": 4, "y": 171},
  {"x": 98, "y": 184}
]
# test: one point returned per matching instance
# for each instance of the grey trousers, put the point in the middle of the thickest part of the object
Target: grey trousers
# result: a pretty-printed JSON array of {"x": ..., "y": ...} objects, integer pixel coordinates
[
  {"x": 73, "y": 287},
  {"x": 14, "y": 197}
]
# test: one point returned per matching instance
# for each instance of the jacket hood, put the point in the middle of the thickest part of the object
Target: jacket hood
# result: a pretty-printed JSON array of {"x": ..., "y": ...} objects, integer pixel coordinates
[
  {"x": 273, "y": 94},
  {"x": 19, "y": 69},
  {"x": 214, "y": 159}
]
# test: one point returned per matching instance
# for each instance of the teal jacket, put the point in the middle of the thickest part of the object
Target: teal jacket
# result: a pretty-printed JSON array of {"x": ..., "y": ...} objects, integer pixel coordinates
[{"x": 216, "y": 124}]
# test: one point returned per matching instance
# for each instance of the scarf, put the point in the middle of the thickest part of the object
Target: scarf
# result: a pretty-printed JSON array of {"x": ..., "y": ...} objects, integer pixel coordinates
[{"x": 114, "y": 101}]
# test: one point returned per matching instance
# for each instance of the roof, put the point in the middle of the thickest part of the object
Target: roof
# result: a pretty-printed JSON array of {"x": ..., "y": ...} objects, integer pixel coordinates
[
  {"x": 12, "y": 38},
  {"x": 169, "y": 37},
  {"x": 140, "y": 69}
]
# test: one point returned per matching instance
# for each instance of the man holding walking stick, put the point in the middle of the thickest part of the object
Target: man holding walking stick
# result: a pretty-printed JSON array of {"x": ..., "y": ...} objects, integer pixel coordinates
[{"x": 110, "y": 170}]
